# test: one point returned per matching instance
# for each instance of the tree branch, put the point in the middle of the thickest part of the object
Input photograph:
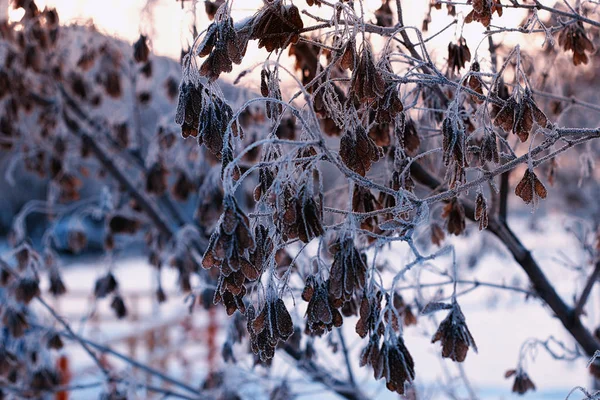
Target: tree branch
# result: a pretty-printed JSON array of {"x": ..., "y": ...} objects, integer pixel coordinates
[
  {"x": 322, "y": 376},
  {"x": 540, "y": 282},
  {"x": 310, "y": 367},
  {"x": 587, "y": 290}
]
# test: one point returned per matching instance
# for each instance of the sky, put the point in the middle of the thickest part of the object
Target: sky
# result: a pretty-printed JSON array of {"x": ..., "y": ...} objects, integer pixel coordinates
[{"x": 167, "y": 23}]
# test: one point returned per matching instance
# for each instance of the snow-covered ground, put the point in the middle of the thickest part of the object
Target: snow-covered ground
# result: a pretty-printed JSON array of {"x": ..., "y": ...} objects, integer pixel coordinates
[{"x": 499, "y": 320}]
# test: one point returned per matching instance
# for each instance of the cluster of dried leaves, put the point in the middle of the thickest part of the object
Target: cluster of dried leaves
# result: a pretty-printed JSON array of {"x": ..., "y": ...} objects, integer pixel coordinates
[
  {"x": 357, "y": 96},
  {"x": 573, "y": 37},
  {"x": 371, "y": 94},
  {"x": 25, "y": 351}
]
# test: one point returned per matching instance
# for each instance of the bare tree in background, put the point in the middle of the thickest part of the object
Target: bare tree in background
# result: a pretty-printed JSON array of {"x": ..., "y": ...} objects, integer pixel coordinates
[{"x": 300, "y": 194}]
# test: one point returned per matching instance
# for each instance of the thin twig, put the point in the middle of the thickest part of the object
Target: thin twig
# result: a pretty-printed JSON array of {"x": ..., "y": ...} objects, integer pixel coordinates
[{"x": 587, "y": 290}]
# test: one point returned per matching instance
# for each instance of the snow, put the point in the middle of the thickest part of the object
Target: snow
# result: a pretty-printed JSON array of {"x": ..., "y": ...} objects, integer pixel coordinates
[{"x": 500, "y": 322}]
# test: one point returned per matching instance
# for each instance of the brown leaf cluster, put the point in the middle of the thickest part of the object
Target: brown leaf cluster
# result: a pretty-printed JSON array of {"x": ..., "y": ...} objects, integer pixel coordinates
[
  {"x": 489, "y": 148},
  {"x": 363, "y": 201},
  {"x": 211, "y": 7},
  {"x": 348, "y": 271},
  {"x": 454, "y": 147},
  {"x": 407, "y": 135},
  {"x": 228, "y": 249},
  {"x": 384, "y": 15},
  {"x": 224, "y": 47},
  {"x": 267, "y": 327},
  {"x": 522, "y": 383},
  {"x": 481, "y": 213},
  {"x": 474, "y": 82},
  {"x": 573, "y": 37},
  {"x": 483, "y": 10},
  {"x": 518, "y": 117},
  {"x": 458, "y": 55},
  {"x": 269, "y": 87},
  {"x": 321, "y": 313},
  {"x": 454, "y": 213},
  {"x": 392, "y": 362},
  {"x": 299, "y": 214},
  {"x": 358, "y": 151},
  {"x": 454, "y": 335},
  {"x": 141, "y": 51},
  {"x": 530, "y": 188},
  {"x": 277, "y": 25},
  {"x": 367, "y": 82},
  {"x": 370, "y": 309}
]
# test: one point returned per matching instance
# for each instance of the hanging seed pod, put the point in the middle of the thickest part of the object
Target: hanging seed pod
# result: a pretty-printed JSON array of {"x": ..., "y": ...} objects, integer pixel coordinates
[
  {"x": 54, "y": 341},
  {"x": 269, "y": 87},
  {"x": 118, "y": 306},
  {"x": 156, "y": 179},
  {"x": 211, "y": 7},
  {"x": 112, "y": 84},
  {"x": 223, "y": 45},
  {"x": 474, "y": 82},
  {"x": 264, "y": 247},
  {"x": 213, "y": 123},
  {"x": 370, "y": 354},
  {"x": 530, "y": 189},
  {"x": 522, "y": 383},
  {"x": 363, "y": 201},
  {"x": 573, "y": 37},
  {"x": 453, "y": 141},
  {"x": 348, "y": 272},
  {"x": 454, "y": 335},
  {"x": 44, "y": 379},
  {"x": 189, "y": 108},
  {"x": 384, "y": 15},
  {"x": 105, "y": 285},
  {"x": 27, "y": 288},
  {"x": 141, "y": 51},
  {"x": 276, "y": 25},
  {"x": 358, "y": 151},
  {"x": 15, "y": 320},
  {"x": 505, "y": 118},
  {"x": 77, "y": 240},
  {"x": 406, "y": 135},
  {"x": 321, "y": 314},
  {"x": 437, "y": 234},
  {"x": 483, "y": 10},
  {"x": 298, "y": 214},
  {"x": 481, "y": 213},
  {"x": 395, "y": 364},
  {"x": 458, "y": 55},
  {"x": 489, "y": 148},
  {"x": 369, "y": 311},
  {"x": 367, "y": 80},
  {"x": 271, "y": 325},
  {"x": 454, "y": 213},
  {"x": 526, "y": 114},
  {"x": 349, "y": 56}
]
